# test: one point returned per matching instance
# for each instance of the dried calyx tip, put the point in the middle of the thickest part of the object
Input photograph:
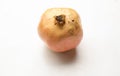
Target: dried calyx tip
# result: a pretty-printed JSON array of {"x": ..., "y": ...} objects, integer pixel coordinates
[{"x": 60, "y": 19}]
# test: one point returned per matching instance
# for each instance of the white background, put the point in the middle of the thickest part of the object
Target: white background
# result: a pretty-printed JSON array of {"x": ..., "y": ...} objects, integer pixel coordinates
[{"x": 22, "y": 52}]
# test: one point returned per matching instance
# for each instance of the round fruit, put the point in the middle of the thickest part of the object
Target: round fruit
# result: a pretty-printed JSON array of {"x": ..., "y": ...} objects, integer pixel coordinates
[{"x": 61, "y": 29}]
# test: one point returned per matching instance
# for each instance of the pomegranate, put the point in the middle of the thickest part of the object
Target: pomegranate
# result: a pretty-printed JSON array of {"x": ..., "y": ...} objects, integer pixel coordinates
[{"x": 60, "y": 29}]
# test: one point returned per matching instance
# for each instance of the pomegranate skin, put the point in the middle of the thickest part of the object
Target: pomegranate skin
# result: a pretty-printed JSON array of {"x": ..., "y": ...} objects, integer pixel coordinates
[{"x": 60, "y": 29}]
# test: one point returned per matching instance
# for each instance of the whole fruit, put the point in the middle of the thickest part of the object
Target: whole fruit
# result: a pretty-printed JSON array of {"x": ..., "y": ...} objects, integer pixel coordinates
[{"x": 61, "y": 29}]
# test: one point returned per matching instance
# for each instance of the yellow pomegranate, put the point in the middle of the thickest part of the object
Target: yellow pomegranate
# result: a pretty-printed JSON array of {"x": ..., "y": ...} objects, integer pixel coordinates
[{"x": 61, "y": 29}]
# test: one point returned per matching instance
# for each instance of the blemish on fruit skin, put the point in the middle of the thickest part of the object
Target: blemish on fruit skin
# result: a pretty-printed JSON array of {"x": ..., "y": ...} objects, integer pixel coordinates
[
  {"x": 72, "y": 20},
  {"x": 68, "y": 21},
  {"x": 76, "y": 27},
  {"x": 71, "y": 31},
  {"x": 55, "y": 23}
]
